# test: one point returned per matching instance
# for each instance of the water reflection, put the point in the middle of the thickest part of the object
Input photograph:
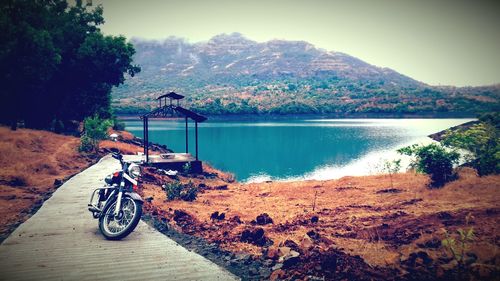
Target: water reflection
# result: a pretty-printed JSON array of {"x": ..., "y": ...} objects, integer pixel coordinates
[{"x": 304, "y": 149}]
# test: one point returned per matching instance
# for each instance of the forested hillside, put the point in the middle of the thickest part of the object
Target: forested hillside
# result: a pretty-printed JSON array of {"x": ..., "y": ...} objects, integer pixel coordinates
[{"x": 230, "y": 74}]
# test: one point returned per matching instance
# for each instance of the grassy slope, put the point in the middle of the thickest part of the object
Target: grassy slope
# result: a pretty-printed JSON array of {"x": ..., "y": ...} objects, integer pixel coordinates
[{"x": 30, "y": 162}]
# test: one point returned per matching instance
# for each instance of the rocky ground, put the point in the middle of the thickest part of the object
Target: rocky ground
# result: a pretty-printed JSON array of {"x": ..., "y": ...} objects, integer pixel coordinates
[{"x": 354, "y": 228}]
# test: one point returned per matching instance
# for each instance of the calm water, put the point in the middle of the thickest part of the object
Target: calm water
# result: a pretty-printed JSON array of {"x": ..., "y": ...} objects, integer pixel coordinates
[{"x": 298, "y": 149}]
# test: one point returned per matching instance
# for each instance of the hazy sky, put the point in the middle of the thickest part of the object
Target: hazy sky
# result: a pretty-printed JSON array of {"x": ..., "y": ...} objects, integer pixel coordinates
[{"x": 447, "y": 42}]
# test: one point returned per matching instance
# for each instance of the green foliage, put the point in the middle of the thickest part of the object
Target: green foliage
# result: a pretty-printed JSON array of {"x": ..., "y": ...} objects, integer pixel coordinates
[
  {"x": 173, "y": 190},
  {"x": 118, "y": 125},
  {"x": 86, "y": 144},
  {"x": 177, "y": 190},
  {"x": 95, "y": 129},
  {"x": 391, "y": 167},
  {"x": 189, "y": 192},
  {"x": 458, "y": 245},
  {"x": 55, "y": 64},
  {"x": 434, "y": 160},
  {"x": 186, "y": 168},
  {"x": 483, "y": 142}
]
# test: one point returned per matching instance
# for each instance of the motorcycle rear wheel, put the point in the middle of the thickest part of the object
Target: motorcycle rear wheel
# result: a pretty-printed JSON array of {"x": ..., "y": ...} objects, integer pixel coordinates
[{"x": 116, "y": 228}]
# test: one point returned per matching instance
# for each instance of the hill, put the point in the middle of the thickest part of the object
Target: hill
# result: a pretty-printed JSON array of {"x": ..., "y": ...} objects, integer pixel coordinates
[{"x": 230, "y": 74}]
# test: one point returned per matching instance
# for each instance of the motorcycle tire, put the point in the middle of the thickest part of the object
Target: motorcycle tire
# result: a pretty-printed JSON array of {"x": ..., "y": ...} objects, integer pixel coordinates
[{"x": 108, "y": 216}]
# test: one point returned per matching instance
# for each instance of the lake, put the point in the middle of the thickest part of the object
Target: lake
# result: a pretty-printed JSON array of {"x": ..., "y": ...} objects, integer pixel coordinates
[{"x": 296, "y": 149}]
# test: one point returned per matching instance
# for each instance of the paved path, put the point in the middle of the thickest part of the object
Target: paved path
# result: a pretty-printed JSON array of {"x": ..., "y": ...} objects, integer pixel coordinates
[{"x": 62, "y": 242}]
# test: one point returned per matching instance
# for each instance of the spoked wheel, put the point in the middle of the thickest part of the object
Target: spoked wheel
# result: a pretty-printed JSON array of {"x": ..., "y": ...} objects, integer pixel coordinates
[{"x": 117, "y": 227}]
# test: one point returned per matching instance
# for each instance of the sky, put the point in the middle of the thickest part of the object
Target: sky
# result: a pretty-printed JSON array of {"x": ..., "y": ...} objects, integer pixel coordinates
[{"x": 438, "y": 42}]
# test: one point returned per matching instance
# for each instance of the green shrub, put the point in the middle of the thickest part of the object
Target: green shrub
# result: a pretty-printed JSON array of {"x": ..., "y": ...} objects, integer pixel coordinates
[
  {"x": 391, "y": 167},
  {"x": 95, "y": 129},
  {"x": 483, "y": 142},
  {"x": 86, "y": 144},
  {"x": 186, "y": 168},
  {"x": 177, "y": 190},
  {"x": 173, "y": 190},
  {"x": 434, "y": 160},
  {"x": 189, "y": 193},
  {"x": 458, "y": 245}
]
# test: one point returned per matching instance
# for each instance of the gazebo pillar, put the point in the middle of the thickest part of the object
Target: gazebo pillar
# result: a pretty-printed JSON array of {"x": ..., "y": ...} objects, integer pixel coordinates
[
  {"x": 187, "y": 143},
  {"x": 146, "y": 137},
  {"x": 196, "y": 137}
]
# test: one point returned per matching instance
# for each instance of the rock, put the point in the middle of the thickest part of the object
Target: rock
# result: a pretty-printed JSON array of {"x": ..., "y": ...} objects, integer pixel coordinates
[
  {"x": 288, "y": 256},
  {"x": 253, "y": 271},
  {"x": 221, "y": 187},
  {"x": 236, "y": 219},
  {"x": 313, "y": 234},
  {"x": 433, "y": 243},
  {"x": 290, "y": 259},
  {"x": 273, "y": 254},
  {"x": 314, "y": 219},
  {"x": 306, "y": 242},
  {"x": 263, "y": 219},
  {"x": 277, "y": 266},
  {"x": 255, "y": 236},
  {"x": 444, "y": 216},
  {"x": 277, "y": 275},
  {"x": 283, "y": 251},
  {"x": 216, "y": 216},
  {"x": 58, "y": 182},
  {"x": 292, "y": 245}
]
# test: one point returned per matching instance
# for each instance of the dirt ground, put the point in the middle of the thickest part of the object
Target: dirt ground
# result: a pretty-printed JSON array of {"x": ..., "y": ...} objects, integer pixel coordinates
[
  {"x": 34, "y": 164},
  {"x": 373, "y": 228}
]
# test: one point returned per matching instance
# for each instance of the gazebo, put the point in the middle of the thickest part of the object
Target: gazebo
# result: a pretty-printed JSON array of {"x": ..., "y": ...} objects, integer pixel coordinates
[{"x": 167, "y": 109}]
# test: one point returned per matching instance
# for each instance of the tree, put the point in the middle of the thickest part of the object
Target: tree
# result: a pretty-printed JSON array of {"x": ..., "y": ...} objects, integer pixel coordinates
[
  {"x": 434, "y": 160},
  {"x": 483, "y": 142},
  {"x": 55, "y": 64}
]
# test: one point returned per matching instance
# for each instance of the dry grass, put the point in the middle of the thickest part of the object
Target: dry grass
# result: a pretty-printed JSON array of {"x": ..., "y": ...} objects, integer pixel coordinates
[
  {"x": 358, "y": 214},
  {"x": 31, "y": 161}
]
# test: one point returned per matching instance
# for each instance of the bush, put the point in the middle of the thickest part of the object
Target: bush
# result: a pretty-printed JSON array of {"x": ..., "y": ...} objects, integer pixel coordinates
[
  {"x": 186, "y": 168},
  {"x": 173, "y": 190},
  {"x": 85, "y": 144},
  {"x": 118, "y": 125},
  {"x": 189, "y": 193},
  {"x": 95, "y": 129},
  {"x": 176, "y": 190},
  {"x": 434, "y": 160},
  {"x": 482, "y": 141}
]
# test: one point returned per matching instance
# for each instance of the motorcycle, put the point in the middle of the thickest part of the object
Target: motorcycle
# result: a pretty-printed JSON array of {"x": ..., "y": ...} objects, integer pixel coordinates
[{"x": 117, "y": 205}]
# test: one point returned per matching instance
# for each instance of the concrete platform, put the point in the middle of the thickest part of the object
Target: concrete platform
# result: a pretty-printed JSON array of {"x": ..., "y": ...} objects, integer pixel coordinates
[
  {"x": 62, "y": 242},
  {"x": 168, "y": 161}
]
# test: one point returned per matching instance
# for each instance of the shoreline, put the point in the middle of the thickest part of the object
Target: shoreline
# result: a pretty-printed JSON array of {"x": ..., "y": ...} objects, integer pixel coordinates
[{"x": 264, "y": 117}]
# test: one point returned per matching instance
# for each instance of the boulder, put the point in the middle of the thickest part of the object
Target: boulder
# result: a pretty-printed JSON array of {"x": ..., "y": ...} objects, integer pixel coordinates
[{"x": 263, "y": 219}]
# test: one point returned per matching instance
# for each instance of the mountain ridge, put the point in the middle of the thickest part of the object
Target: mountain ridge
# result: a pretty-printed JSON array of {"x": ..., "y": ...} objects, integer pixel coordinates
[{"x": 231, "y": 74}]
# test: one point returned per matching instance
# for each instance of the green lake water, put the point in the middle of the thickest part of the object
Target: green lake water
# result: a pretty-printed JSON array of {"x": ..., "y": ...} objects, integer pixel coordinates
[{"x": 296, "y": 149}]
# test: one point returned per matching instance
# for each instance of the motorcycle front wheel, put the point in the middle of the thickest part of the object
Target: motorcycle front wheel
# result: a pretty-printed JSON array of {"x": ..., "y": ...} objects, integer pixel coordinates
[{"x": 117, "y": 227}]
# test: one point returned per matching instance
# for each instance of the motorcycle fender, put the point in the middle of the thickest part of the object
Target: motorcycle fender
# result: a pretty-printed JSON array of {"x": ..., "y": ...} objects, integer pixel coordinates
[{"x": 134, "y": 196}]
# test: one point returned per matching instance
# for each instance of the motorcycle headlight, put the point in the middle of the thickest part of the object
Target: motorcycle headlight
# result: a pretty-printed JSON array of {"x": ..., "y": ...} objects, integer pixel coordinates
[{"x": 134, "y": 170}]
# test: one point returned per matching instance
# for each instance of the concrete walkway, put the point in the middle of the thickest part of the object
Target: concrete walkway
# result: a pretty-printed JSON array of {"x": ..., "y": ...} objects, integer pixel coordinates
[{"x": 62, "y": 242}]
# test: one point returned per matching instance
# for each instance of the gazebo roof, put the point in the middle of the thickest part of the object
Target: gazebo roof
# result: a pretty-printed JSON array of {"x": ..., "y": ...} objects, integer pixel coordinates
[
  {"x": 171, "y": 95},
  {"x": 188, "y": 113}
]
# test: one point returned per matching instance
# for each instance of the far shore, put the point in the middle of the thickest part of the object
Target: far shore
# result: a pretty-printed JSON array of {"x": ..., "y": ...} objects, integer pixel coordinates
[{"x": 422, "y": 115}]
